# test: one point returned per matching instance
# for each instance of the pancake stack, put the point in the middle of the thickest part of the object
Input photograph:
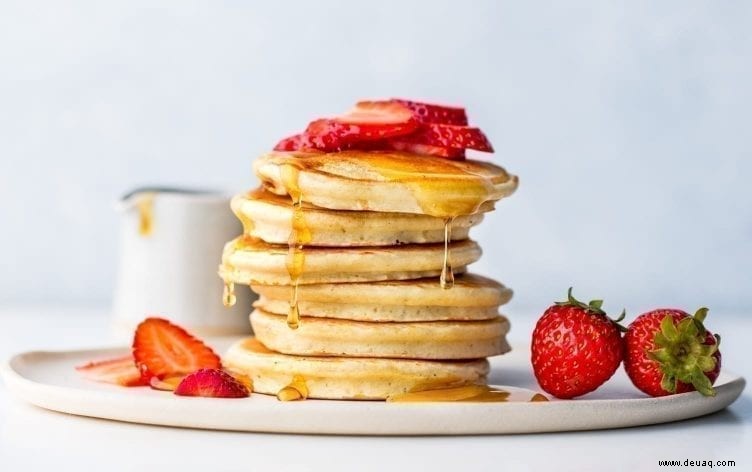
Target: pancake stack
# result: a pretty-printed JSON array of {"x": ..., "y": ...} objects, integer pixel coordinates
[{"x": 360, "y": 262}]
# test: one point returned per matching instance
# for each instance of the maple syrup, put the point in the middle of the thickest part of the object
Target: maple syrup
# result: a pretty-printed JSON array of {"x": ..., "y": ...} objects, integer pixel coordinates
[
  {"x": 539, "y": 398},
  {"x": 468, "y": 394},
  {"x": 447, "y": 274},
  {"x": 245, "y": 220},
  {"x": 293, "y": 314},
  {"x": 300, "y": 235},
  {"x": 295, "y": 390},
  {"x": 145, "y": 206}
]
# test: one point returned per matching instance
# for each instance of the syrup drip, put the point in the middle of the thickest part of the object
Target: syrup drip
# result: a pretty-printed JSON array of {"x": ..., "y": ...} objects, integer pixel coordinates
[
  {"x": 295, "y": 390},
  {"x": 447, "y": 274},
  {"x": 539, "y": 398},
  {"x": 247, "y": 222},
  {"x": 293, "y": 315},
  {"x": 145, "y": 206},
  {"x": 299, "y": 236},
  {"x": 228, "y": 294}
]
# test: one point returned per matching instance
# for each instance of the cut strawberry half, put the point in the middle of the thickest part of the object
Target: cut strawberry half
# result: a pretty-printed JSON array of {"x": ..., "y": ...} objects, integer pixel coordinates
[
  {"x": 211, "y": 383},
  {"x": 163, "y": 349},
  {"x": 450, "y": 136},
  {"x": 427, "y": 149},
  {"x": 120, "y": 371},
  {"x": 431, "y": 113}
]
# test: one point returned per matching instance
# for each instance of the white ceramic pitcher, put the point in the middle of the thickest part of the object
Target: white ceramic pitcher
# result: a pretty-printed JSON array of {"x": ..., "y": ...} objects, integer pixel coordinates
[{"x": 170, "y": 248}]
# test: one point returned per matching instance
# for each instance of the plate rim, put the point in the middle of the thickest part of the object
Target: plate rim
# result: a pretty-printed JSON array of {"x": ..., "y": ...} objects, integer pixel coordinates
[{"x": 30, "y": 391}]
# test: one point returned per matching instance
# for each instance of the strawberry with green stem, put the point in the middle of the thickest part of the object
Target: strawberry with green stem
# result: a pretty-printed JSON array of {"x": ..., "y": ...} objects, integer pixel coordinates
[{"x": 669, "y": 351}]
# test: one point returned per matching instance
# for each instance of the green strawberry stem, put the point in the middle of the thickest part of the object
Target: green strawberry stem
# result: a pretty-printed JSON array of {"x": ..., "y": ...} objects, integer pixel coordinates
[
  {"x": 593, "y": 306},
  {"x": 682, "y": 354}
]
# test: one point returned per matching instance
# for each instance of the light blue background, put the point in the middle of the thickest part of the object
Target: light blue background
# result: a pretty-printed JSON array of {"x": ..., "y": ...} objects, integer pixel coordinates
[{"x": 628, "y": 123}]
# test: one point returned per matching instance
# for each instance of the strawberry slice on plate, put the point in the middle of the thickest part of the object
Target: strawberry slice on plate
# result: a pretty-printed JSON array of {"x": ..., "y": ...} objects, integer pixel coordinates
[
  {"x": 120, "y": 371},
  {"x": 450, "y": 136},
  {"x": 214, "y": 383},
  {"x": 162, "y": 349},
  {"x": 432, "y": 113}
]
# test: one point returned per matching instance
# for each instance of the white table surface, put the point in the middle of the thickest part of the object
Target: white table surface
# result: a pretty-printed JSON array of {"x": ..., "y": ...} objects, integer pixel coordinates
[{"x": 34, "y": 439}]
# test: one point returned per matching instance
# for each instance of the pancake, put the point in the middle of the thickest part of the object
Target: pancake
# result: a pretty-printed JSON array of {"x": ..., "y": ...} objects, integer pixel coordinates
[
  {"x": 252, "y": 261},
  {"x": 385, "y": 181},
  {"x": 348, "y": 378},
  {"x": 269, "y": 217},
  {"x": 472, "y": 298},
  {"x": 423, "y": 340}
]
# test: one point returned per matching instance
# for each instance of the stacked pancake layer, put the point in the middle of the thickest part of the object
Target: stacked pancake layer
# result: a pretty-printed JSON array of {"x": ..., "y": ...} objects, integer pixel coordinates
[{"x": 359, "y": 260}]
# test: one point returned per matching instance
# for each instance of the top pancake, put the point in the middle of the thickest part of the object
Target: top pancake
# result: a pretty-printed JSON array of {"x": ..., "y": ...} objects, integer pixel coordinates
[{"x": 385, "y": 181}]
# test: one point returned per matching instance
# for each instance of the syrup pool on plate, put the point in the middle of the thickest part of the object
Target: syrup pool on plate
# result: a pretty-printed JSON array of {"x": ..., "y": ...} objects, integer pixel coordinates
[{"x": 470, "y": 394}]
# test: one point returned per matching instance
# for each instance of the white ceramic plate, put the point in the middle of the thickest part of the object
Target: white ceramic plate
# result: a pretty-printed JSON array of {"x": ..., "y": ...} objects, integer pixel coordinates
[{"x": 48, "y": 380}]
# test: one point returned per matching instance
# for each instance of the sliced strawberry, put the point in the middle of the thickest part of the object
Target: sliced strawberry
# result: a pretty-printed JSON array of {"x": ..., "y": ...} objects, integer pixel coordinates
[
  {"x": 424, "y": 128},
  {"x": 329, "y": 135},
  {"x": 333, "y": 135},
  {"x": 431, "y": 113},
  {"x": 168, "y": 384},
  {"x": 301, "y": 142},
  {"x": 331, "y": 142},
  {"x": 368, "y": 121},
  {"x": 163, "y": 349},
  {"x": 426, "y": 149},
  {"x": 211, "y": 383},
  {"x": 460, "y": 137},
  {"x": 378, "y": 112},
  {"x": 120, "y": 371},
  {"x": 291, "y": 143}
]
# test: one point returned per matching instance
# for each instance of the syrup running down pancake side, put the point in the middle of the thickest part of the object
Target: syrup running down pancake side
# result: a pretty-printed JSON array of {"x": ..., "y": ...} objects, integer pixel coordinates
[{"x": 299, "y": 236}]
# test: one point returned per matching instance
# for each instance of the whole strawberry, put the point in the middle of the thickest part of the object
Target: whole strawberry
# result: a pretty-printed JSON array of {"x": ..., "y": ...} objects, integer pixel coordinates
[
  {"x": 576, "y": 347},
  {"x": 669, "y": 351}
]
